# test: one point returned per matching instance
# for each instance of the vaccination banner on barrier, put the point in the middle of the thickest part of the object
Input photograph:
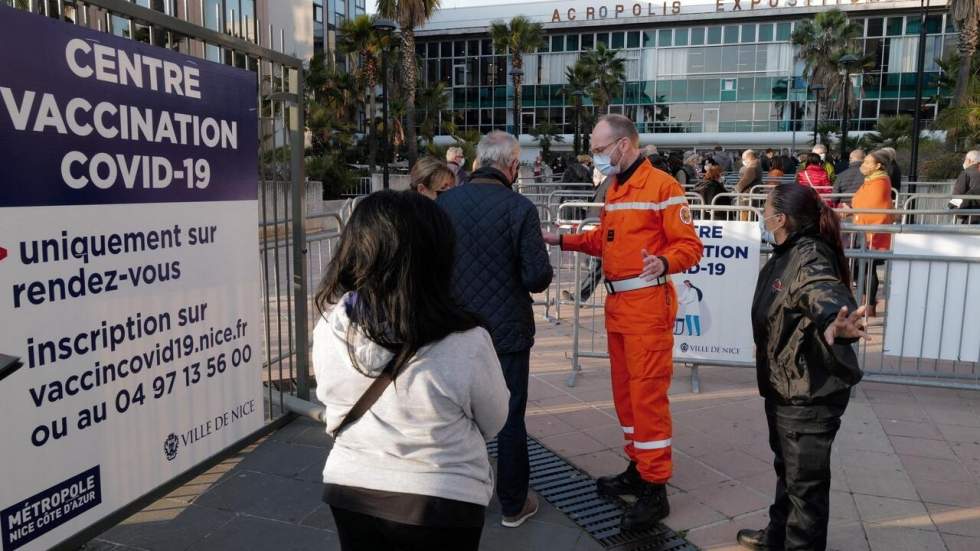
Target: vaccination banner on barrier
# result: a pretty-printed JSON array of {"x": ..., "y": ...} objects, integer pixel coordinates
[
  {"x": 128, "y": 272},
  {"x": 932, "y": 309},
  {"x": 715, "y": 297}
]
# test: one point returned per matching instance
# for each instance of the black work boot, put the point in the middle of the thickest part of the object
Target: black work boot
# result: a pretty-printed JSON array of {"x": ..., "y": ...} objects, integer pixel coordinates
[
  {"x": 651, "y": 505},
  {"x": 759, "y": 540},
  {"x": 626, "y": 482}
]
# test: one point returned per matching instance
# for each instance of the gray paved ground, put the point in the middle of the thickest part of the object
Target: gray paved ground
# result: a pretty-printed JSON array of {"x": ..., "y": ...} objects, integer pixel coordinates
[
  {"x": 906, "y": 469},
  {"x": 268, "y": 498}
]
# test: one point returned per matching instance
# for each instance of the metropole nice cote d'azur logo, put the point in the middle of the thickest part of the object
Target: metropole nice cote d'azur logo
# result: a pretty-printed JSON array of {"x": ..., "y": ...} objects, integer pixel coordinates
[{"x": 170, "y": 446}]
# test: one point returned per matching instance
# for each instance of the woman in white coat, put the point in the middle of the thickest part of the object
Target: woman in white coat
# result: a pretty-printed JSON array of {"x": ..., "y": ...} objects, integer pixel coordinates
[{"x": 690, "y": 299}]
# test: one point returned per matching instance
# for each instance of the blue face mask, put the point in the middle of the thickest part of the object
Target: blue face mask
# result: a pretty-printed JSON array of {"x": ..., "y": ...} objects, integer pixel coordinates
[
  {"x": 604, "y": 164},
  {"x": 767, "y": 235}
]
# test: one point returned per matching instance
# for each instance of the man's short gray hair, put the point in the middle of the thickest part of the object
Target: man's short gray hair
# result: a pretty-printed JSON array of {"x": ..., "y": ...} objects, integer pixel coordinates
[
  {"x": 820, "y": 149},
  {"x": 498, "y": 149},
  {"x": 857, "y": 155},
  {"x": 973, "y": 156},
  {"x": 454, "y": 152},
  {"x": 750, "y": 154},
  {"x": 622, "y": 127}
]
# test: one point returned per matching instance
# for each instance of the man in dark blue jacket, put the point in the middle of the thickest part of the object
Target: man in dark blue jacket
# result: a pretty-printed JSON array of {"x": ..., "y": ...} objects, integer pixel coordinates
[{"x": 501, "y": 259}]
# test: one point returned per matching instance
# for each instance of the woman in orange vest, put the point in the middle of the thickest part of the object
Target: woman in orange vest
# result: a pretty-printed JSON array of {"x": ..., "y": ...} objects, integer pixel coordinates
[{"x": 874, "y": 193}]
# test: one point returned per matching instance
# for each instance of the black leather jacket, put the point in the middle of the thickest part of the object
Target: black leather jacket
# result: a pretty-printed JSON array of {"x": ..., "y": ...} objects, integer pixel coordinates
[{"x": 798, "y": 294}]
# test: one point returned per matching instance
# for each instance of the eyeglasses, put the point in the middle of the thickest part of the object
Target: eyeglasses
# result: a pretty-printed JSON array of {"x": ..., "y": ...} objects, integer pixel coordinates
[{"x": 601, "y": 150}]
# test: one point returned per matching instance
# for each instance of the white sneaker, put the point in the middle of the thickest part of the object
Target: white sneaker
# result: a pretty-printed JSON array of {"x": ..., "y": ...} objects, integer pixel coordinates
[{"x": 529, "y": 510}]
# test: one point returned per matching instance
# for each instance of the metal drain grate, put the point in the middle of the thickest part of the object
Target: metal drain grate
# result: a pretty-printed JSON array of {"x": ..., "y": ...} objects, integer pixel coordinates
[{"x": 573, "y": 493}]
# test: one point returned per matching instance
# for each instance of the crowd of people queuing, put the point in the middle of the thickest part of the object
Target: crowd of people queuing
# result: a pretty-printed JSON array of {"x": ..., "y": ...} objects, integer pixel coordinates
[{"x": 423, "y": 346}]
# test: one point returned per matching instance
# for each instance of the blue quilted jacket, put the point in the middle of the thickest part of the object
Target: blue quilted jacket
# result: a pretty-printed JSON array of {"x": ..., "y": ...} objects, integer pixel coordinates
[{"x": 500, "y": 256}]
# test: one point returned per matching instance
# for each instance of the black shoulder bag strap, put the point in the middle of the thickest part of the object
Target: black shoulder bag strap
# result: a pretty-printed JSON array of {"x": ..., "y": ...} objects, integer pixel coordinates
[{"x": 369, "y": 397}]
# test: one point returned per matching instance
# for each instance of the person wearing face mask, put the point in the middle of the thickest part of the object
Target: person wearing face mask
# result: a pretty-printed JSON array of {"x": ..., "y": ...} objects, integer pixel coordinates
[
  {"x": 968, "y": 183},
  {"x": 432, "y": 177},
  {"x": 804, "y": 322},
  {"x": 874, "y": 193},
  {"x": 500, "y": 260},
  {"x": 646, "y": 232}
]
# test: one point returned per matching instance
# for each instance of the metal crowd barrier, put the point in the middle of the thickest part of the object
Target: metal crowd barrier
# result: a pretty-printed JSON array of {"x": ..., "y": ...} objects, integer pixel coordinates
[{"x": 918, "y": 368}]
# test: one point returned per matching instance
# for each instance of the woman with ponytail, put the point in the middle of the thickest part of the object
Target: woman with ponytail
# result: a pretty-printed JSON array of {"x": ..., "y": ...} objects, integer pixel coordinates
[{"x": 804, "y": 322}]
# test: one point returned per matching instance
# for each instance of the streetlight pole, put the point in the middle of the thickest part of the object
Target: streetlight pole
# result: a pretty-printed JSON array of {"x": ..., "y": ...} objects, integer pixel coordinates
[
  {"x": 578, "y": 94},
  {"x": 846, "y": 61},
  {"x": 385, "y": 27},
  {"x": 816, "y": 89},
  {"x": 919, "y": 77},
  {"x": 515, "y": 77}
]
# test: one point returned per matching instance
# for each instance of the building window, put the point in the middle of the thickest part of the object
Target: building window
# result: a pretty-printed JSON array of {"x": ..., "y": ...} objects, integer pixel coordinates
[
  {"x": 602, "y": 39},
  {"x": 558, "y": 43},
  {"x": 680, "y": 37},
  {"x": 783, "y": 31},
  {"x": 571, "y": 43},
  {"x": 697, "y": 36},
  {"x": 649, "y": 39},
  {"x": 618, "y": 40},
  {"x": 875, "y": 27},
  {"x": 588, "y": 41},
  {"x": 728, "y": 85},
  {"x": 894, "y": 27},
  {"x": 765, "y": 32},
  {"x": 633, "y": 39},
  {"x": 714, "y": 35},
  {"x": 664, "y": 38},
  {"x": 748, "y": 33},
  {"x": 731, "y": 34}
]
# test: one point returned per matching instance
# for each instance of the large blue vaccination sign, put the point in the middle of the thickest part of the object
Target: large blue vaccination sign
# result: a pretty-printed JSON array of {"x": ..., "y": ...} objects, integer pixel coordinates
[
  {"x": 91, "y": 118},
  {"x": 129, "y": 272}
]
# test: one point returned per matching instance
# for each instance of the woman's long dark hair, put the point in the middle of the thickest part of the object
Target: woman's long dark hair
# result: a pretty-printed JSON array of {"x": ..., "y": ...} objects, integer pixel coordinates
[
  {"x": 806, "y": 213},
  {"x": 396, "y": 253}
]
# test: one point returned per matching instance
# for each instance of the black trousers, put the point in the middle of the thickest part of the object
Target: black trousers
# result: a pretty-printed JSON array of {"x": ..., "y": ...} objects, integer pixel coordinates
[
  {"x": 359, "y": 532},
  {"x": 591, "y": 279},
  {"x": 800, "y": 438},
  {"x": 872, "y": 294},
  {"x": 513, "y": 466}
]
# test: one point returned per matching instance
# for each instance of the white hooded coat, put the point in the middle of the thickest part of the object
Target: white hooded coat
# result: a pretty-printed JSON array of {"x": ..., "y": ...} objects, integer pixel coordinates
[{"x": 427, "y": 433}]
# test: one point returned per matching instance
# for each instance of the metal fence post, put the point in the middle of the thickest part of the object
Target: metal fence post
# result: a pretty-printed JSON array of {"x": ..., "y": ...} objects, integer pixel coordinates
[{"x": 298, "y": 185}]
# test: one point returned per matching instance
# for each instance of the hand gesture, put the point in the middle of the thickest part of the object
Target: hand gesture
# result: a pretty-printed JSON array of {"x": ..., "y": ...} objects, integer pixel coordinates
[
  {"x": 653, "y": 267},
  {"x": 550, "y": 238},
  {"x": 846, "y": 326}
]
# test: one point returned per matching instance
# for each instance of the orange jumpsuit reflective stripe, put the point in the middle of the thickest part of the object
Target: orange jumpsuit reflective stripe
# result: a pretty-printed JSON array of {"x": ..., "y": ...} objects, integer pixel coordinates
[{"x": 648, "y": 211}]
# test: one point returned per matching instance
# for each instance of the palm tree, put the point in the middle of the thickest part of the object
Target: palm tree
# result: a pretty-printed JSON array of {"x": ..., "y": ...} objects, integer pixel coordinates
[
  {"x": 962, "y": 121},
  {"x": 520, "y": 37},
  {"x": 409, "y": 14},
  {"x": 822, "y": 42},
  {"x": 432, "y": 101},
  {"x": 890, "y": 132},
  {"x": 579, "y": 77},
  {"x": 546, "y": 133},
  {"x": 965, "y": 13},
  {"x": 358, "y": 39},
  {"x": 608, "y": 72}
]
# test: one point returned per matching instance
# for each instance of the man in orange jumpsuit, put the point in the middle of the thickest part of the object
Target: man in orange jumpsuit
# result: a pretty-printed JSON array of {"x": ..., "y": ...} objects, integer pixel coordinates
[{"x": 646, "y": 233}]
